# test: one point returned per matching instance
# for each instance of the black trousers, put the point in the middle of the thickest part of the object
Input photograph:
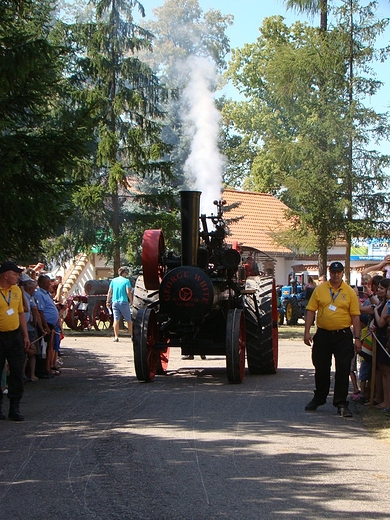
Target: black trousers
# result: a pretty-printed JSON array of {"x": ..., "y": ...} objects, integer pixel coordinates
[
  {"x": 12, "y": 350},
  {"x": 325, "y": 345}
]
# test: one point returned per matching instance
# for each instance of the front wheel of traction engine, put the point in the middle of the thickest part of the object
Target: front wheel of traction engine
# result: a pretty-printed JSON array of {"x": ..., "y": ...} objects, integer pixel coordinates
[
  {"x": 148, "y": 360},
  {"x": 235, "y": 346}
]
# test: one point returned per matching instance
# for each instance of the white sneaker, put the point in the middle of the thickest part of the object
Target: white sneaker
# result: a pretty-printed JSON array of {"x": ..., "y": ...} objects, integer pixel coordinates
[{"x": 116, "y": 340}]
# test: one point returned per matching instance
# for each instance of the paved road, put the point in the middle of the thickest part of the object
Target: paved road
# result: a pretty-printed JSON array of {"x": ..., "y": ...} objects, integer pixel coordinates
[{"x": 97, "y": 444}]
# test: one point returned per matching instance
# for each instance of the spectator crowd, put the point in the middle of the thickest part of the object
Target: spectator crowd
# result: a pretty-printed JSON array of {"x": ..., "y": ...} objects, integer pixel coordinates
[
  {"x": 44, "y": 310},
  {"x": 370, "y": 372}
]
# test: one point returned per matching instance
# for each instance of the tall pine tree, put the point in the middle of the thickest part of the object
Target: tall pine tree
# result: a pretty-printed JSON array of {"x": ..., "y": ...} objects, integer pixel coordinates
[
  {"x": 42, "y": 135},
  {"x": 126, "y": 98}
]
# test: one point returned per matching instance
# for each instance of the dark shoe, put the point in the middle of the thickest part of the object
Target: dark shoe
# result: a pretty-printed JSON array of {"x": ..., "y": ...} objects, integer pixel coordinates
[
  {"x": 313, "y": 405},
  {"x": 344, "y": 411},
  {"x": 44, "y": 375},
  {"x": 14, "y": 413},
  {"x": 202, "y": 356},
  {"x": 15, "y": 416},
  {"x": 2, "y": 416},
  {"x": 187, "y": 357}
]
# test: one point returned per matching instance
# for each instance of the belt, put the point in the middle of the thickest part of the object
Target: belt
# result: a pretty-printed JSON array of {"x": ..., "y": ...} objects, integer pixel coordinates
[
  {"x": 335, "y": 331},
  {"x": 9, "y": 331}
]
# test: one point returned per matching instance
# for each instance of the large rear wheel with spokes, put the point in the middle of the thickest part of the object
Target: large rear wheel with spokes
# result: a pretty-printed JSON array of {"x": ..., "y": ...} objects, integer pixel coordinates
[{"x": 102, "y": 318}]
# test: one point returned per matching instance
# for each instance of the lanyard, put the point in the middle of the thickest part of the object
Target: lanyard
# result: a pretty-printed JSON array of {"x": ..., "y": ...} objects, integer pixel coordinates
[
  {"x": 4, "y": 298},
  {"x": 333, "y": 295}
]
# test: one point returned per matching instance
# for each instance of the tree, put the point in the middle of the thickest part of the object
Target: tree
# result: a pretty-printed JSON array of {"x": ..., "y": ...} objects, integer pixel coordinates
[
  {"x": 126, "y": 97},
  {"x": 365, "y": 174},
  {"x": 42, "y": 134},
  {"x": 183, "y": 31},
  {"x": 359, "y": 51},
  {"x": 312, "y": 7},
  {"x": 299, "y": 112}
]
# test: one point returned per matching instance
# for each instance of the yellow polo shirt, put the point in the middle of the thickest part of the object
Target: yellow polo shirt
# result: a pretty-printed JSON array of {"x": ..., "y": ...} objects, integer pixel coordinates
[
  {"x": 334, "y": 306},
  {"x": 11, "y": 305}
]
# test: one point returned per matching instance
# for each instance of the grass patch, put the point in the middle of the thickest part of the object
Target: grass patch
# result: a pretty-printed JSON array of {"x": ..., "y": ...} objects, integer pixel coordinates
[
  {"x": 291, "y": 332},
  {"x": 376, "y": 423}
]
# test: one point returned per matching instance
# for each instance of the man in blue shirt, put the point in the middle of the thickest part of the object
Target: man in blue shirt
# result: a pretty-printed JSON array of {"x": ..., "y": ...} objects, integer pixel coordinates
[
  {"x": 49, "y": 317},
  {"x": 120, "y": 297}
]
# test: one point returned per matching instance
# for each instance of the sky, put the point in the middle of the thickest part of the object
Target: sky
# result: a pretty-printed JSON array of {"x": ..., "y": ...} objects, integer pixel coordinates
[{"x": 249, "y": 15}]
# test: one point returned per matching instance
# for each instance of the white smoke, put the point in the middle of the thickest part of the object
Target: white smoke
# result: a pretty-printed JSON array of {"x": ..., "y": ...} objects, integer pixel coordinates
[{"x": 204, "y": 166}]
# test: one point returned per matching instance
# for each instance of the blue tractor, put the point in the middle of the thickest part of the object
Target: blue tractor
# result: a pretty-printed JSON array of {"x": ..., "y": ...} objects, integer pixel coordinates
[{"x": 293, "y": 299}]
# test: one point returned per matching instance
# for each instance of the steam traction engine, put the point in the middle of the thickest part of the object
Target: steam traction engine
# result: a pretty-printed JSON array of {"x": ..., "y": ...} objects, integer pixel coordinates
[{"x": 198, "y": 302}]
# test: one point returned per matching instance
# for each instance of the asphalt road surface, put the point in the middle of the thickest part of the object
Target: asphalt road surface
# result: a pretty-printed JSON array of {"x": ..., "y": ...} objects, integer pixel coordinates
[{"x": 97, "y": 444}]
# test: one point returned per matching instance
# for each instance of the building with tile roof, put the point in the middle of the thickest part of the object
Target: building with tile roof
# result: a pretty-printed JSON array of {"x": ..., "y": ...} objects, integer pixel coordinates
[{"x": 253, "y": 220}]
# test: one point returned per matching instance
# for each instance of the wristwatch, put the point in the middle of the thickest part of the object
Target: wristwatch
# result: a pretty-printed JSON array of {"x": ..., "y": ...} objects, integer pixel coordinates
[
  {"x": 356, "y": 337},
  {"x": 373, "y": 306}
]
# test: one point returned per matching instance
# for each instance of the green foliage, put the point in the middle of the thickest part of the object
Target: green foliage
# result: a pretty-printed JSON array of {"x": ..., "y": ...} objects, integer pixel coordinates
[
  {"x": 305, "y": 117},
  {"x": 182, "y": 29},
  {"x": 125, "y": 97},
  {"x": 42, "y": 134}
]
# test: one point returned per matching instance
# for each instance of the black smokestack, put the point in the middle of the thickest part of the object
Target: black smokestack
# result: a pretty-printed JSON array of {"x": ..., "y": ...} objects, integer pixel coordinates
[{"x": 190, "y": 207}]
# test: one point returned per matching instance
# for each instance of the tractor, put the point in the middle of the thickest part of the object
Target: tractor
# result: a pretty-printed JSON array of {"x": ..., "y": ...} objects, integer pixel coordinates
[
  {"x": 197, "y": 300},
  {"x": 293, "y": 299}
]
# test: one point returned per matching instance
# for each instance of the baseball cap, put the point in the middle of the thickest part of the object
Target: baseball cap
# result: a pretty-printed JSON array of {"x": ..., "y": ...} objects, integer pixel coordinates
[
  {"x": 336, "y": 266},
  {"x": 10, "y": 266}
]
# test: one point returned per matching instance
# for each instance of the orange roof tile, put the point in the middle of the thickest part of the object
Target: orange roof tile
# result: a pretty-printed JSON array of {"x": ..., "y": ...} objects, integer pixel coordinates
[{"x": 263, "y": 214}]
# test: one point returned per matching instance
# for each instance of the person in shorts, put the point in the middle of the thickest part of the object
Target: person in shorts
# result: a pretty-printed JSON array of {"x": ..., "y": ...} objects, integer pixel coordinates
[{"x": 120, "y": 299}]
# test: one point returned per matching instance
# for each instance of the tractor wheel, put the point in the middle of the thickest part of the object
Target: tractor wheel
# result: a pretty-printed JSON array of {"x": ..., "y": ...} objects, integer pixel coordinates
[
  {"x": 75, "y": 318},
  {"x": 262, "y": 336},
  {"x": 280, "y": 316},
  {"x": 69, "y": 316},
  {"x": 292, "y": 311},
  {"x": 146, "y": 356},
  {"x": 235, "y": 346},
  {"x": 102, "y": 319},
  {"x": 142, "y": 297},
  {"x": 153, "y": 248}
]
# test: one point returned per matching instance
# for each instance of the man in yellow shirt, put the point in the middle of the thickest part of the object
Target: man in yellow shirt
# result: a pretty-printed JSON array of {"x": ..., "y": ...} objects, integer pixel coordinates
[
  {"x": 13, "y": 336},
  {"x": 337, "y": 308}
]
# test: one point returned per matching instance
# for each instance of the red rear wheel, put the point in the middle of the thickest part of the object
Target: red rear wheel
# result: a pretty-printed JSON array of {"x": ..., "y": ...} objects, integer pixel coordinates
[
  {"x": 101, "y": 317},
  {"x": 153, "y": 249}
]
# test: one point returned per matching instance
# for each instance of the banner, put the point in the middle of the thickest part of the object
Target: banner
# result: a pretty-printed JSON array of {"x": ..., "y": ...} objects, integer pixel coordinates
[{"x": 370, "y": 249}]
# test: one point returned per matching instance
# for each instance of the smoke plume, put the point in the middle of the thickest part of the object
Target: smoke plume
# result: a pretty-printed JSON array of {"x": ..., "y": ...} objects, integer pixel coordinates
[{"x": 203, "y": 168}]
